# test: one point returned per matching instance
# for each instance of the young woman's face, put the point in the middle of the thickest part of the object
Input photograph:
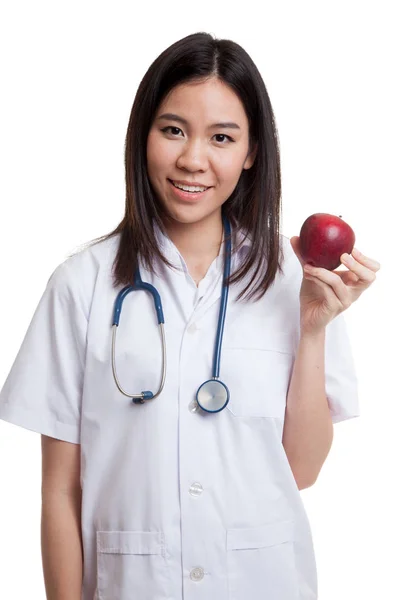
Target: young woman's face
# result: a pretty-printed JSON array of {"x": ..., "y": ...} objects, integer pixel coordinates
[{"x": 198, "y": 150}]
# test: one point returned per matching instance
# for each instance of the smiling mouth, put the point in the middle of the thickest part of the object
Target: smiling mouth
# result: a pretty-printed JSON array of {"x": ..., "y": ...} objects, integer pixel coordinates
[
  {"x": 179, "y": 188},
  {"x": 185, "y": 195}
]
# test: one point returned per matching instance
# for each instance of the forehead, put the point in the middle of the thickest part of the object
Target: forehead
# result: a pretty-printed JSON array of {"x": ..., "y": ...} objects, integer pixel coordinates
[{"x": 210, "y": 100}]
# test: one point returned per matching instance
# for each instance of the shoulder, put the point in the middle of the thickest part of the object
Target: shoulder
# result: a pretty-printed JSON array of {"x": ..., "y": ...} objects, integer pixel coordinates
[
  {"x": 77, "y": 276},
  {"x": 292, "y": 271},
  {"x": 287, "y": 258},
  {"x": 88, "y": 259}
]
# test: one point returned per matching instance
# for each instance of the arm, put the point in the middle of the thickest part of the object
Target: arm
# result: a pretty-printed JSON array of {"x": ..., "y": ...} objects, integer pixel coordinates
[
  {"x": 324, "y": 294},
  {"x": 308, "y": 427},
  {"x": 61, "y": 540}
]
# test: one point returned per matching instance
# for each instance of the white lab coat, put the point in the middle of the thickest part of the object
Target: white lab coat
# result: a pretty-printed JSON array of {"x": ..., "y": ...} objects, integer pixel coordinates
[{"x": 177, "y": 503}]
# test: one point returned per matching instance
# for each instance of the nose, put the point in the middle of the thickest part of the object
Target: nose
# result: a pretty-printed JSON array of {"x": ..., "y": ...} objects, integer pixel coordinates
[{"x": 193, "y": 156}]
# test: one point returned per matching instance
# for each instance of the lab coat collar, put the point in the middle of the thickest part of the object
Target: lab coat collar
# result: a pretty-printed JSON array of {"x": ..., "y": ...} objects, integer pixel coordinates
[
  {"x": 212, "y": 283},
  {"x": 171, "y": 252}
]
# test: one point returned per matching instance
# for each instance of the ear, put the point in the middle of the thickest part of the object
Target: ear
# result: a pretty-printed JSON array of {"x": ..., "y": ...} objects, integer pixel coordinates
[{"x": 250, "y": 158}]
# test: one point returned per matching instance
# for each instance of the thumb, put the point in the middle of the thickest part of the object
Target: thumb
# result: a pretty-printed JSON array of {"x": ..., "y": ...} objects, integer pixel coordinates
[{"x": 295, "y": 243}]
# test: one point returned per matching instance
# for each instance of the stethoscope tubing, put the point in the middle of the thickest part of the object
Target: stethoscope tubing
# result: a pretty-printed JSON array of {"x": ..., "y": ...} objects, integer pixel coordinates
[
  {"x": 141, "y": 285},
  {"x": 224, "y": 299}
]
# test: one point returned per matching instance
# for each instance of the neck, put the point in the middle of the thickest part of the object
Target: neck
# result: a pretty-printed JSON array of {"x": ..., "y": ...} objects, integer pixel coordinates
[{"x": 197, "y": 240}]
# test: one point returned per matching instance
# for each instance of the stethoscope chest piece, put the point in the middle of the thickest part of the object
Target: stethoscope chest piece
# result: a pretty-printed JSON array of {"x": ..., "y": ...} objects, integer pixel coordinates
[{"x": 212, "y": 395}]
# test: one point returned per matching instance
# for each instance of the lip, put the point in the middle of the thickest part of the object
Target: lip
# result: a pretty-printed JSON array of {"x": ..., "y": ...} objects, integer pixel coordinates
[
  {"x": 196, "y": 183},
  {"x": 187, "y": 196}
]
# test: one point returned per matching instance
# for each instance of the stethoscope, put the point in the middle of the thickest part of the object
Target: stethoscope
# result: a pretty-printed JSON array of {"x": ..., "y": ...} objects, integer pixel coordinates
[{"x": 213, "y": 395}]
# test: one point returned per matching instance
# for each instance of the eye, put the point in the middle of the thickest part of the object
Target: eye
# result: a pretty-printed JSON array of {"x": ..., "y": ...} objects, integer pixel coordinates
[{"x": 217, "y": 134}]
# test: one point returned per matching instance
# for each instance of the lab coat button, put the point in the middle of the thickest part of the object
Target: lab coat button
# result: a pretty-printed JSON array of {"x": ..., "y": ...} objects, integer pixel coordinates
[
  {"x": 197, "y": 574},
  {"x": 193, "y": 406},
  {"x": 193, "y": 328},
  {"x": 196, "y": 489}
]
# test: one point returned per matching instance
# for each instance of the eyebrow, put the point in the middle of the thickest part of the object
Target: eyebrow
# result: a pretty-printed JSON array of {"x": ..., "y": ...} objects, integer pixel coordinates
[{"x": 172, "y": 117}]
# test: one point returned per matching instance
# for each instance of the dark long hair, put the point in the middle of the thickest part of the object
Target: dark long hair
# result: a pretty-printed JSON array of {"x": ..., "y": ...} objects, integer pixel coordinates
[{"x": 255, "y": 203}]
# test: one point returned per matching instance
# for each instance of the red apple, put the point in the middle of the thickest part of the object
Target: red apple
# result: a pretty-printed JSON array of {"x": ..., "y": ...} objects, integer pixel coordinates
[{"x": 323, "y": 240}]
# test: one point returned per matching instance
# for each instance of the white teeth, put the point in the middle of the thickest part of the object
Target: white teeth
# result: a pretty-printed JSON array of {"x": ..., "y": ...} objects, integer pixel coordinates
[{"x": 188, "y": 188}]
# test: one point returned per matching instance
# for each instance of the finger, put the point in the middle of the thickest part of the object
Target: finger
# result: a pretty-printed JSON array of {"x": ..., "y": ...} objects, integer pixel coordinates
[
  {"x": 348, "y": 277},
  {"x": 334, "y": 282},
  {"x": 365, "y": 274},
  {"x": 365, "y": 260},
  {"x": 328, "y": 291}
]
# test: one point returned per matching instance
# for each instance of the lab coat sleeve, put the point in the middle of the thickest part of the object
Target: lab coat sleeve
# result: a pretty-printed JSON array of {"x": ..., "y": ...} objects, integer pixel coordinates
[
  {"x": 341, "y": 381},
  {"x": 43, "y": 390}
]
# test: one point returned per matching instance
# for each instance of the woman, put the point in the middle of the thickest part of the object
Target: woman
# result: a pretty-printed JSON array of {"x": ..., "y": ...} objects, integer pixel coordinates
[{"x": 155, "y": 486}]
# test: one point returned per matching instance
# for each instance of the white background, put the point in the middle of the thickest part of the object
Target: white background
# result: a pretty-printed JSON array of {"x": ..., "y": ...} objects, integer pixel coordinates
[{"x": 70, "y": 72}]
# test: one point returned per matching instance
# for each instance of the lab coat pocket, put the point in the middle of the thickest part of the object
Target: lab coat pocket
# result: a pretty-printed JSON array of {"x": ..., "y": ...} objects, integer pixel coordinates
[
  {"x": 257, "y": 371},
  {"x": 261, "y": 562},
  {"x": 131, "y": 564}
]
